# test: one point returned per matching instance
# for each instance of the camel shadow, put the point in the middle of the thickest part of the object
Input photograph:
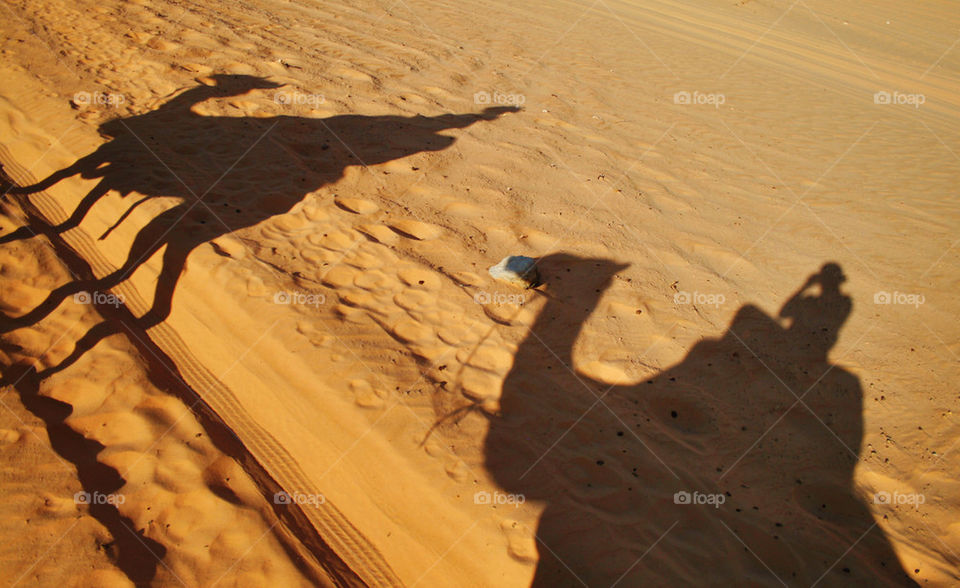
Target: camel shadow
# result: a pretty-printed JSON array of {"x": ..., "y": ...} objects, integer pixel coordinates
[
  {"x": 710, "y": 471},
  {"x": 205, "y": 162},
  {"x": 208, "y": 166}
]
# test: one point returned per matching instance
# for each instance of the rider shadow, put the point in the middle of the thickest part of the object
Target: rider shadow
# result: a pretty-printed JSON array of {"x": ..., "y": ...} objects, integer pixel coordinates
[
  {"x": 710, "y": 471},
  {"x": 207, "y": 162}
]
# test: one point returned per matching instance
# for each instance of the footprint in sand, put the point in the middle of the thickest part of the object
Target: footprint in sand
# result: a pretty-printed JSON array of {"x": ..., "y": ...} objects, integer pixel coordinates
[
  {"x": 338, "y": 276},
  {"x": 521, "y": 544},
  {"x": 350, "y": 73},
  {"x": 379, "y": 233},
  {"x": 416, "y": 230},
  {"x": 457, "y": 470},
  {"x": 411, "y": 299},
  {"x": 356, "y": 205},
  {"x": 374, "y": 280},
  {"x": 365, "y": 395},
  {"x": 478, "y": 385},
  {"x": 161, "y": 44},
  {"x": 409, "y": 331}
]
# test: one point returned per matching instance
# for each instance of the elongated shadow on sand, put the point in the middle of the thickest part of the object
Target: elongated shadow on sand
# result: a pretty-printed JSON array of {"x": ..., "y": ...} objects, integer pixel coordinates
[
  {"x": 132, "y": 551},
  {"x": 708, "y": 472},
  {"x": 222, "y": 174},
  {"x": 225, "y": 173}
]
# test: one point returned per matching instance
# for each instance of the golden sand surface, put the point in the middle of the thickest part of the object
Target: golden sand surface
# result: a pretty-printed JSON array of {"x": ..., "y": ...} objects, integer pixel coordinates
[{"x": 249, "y": 336}]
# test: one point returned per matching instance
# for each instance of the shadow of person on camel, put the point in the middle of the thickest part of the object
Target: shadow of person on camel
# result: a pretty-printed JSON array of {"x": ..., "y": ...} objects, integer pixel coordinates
[
  {"x": 735, "y": 465},
  {"x": 224, "y": 173}
]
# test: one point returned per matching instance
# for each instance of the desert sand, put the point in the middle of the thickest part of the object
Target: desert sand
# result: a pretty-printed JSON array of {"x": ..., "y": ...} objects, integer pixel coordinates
[{"x": 249, "y": 337}]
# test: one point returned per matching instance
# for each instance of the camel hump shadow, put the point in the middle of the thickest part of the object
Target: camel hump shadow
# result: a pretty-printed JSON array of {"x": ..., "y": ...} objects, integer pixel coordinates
[
  {"x": 706, "y": 456},
  {"x": 223, "y": 173}
]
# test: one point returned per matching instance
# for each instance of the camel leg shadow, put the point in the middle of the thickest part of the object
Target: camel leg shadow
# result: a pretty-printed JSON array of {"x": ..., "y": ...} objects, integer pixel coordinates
[
  {"x": 88, "y": 167},
  {"x": 136, "y": 554},
  {"x": 148, "y": 241}
]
